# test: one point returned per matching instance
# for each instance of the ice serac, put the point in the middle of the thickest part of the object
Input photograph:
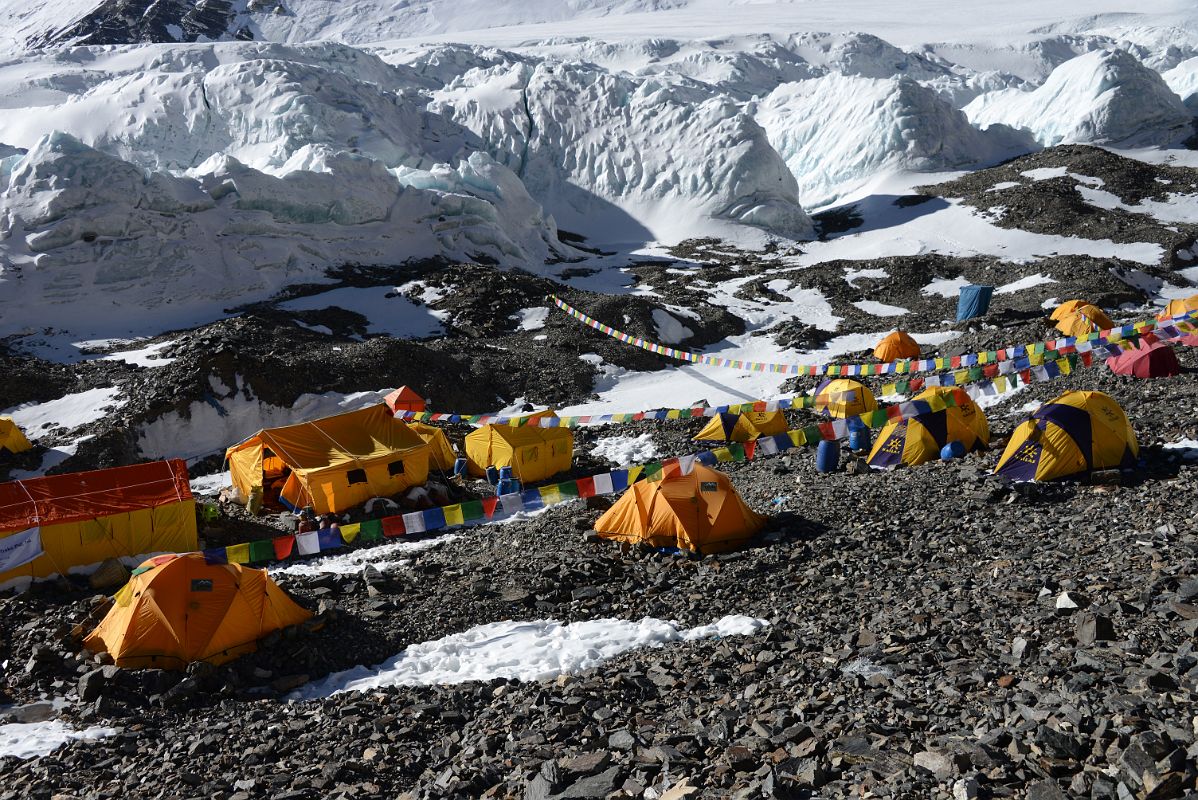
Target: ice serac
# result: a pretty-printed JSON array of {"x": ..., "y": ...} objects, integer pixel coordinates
[
  {"x": 1103, "y": 97},
  {"x": 93, "y": 243},
  {"x": 173, "y": 107},
  {"x": 623, "y": 158},
  {"x": 837, "y": 131},
  {"x": 1183, "y": 80}
]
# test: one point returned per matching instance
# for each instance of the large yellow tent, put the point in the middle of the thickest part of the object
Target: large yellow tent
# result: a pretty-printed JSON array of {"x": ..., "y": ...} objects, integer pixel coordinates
[
  {"x": 332, "y": 463},
  {"x": 700, "y": 512},
  {"x": 1066, "y": 308},
  {"x": 533, "y": 453},
  {"x": 83, "y": 518},
  {"x": 1074, "y": 433},
  {"x": 844, "y": 398},
  {"x": 742, "y": 427},
  {"x": 1084, "y": 320},
  {"x": 1178, "y": 308},
  {"x": 896, "y": 346},
  {"x": 919, "y": 439},
  {"x": 178, "y": 609},
  {"x": 441, "y": 454},
  {"x": 11, "y": 437}
]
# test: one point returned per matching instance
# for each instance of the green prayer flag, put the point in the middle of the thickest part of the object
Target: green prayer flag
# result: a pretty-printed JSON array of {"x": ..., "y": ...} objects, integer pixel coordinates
[
  {"x": 262, "y": 550},
  {"x": 473, "y": 509},
  {"x": 371, "y": 530}
]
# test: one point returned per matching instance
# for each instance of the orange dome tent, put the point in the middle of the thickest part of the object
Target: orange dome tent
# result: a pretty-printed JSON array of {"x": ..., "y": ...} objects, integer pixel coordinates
[
  {"x": 700, "y": 512},
  {"x": 896, "y": 346},
  {"x": 178, "y": 609},
  {"x": 1177, "y": 308},
  {"x": 1084, "y": 320},
  {"x": 1067, "y": 308},
  {"x": 404, "y": 399},
  {"x": 843, "y": 398}
]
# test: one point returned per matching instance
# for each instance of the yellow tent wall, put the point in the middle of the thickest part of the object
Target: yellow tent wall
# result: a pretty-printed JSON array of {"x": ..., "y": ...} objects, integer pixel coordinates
[
  {"x": 88, "y": 517},
  {"x": 533, "y": 453},
  {"x": 336, "y": 462},
  {"x": 441, "y": 453},
  {"x": 11, "y": 437},
  {"x": 843, "y": 398}
]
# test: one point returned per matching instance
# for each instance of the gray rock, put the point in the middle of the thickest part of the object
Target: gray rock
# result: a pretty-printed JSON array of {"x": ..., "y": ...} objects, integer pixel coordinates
[
  {"x": 1093, "y": 628},
  {"x": 937, "y": 762},
  {"x": 592, "y": 787}
]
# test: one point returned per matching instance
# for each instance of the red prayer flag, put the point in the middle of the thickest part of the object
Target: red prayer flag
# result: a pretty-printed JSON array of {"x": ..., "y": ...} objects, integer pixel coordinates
[
  {"x": 283, "y": 546},
  {"x": 393, "y": 526},
  {"x": 489, "y": 504},
  {"x": 586, "y": 486},
  {"x": 750, "y": 449}
]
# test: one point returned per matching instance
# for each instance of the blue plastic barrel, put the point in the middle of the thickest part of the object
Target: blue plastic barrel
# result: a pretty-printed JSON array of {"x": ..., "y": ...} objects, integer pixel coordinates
[
  {"x": 973, "y": 301},
  {"x": 505, "y": 473},
  {"x": 492, "y": 475},
  {"x": 504, "y": 486},
  {"x": 827, "y": 455},
  {"x": 859, "y": 439},
  {"x": 459, "y": 467},
  {"x": 953, "y": 449}
]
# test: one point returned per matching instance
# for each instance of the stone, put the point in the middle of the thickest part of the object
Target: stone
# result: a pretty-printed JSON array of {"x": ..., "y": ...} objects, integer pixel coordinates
[
  {"x": 621, "y": 740},
  {"x": 965, "y": 789},
  {"x": 937, "y": 762},
  {"x": 1068, "y": 602},
  {"x": 587, "y": 763},
  {"x": 1093, "y": 628},
  {"x": 592, "y": 787},
  {"x": 93, "y": 683},
  {"x": 1045, "y": 790}
]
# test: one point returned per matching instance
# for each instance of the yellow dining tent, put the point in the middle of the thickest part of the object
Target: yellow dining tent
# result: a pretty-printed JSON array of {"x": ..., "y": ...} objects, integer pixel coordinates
[
  {"x": 533, "y": 453},
  {"x": 334, "y": 463}
]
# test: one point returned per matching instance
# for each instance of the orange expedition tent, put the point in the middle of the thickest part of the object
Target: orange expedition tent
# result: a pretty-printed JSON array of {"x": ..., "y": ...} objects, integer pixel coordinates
[
  {"x": 404, "y": 398},
  {"x": 178, "y": 609},
  {"x": 12, "y": 438},
  {"x": 1067, "y": 308},
  {"x": 896, "y": 346},
  {"x": 441, "y": 454},
  {"x": 332, "y": 463},
  {"x": 84, "y": 518},
  {"x": 1084, "y": 320},
  {"x": 1178, "y": 308},
  {"x": 700, "y": 512}
]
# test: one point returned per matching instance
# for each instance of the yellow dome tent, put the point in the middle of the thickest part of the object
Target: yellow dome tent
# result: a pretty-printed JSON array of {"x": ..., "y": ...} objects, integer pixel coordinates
[
  {"x": 844, "y": 398},
  {"x": 896, "y": 346},
  {"x": 1074, "y": 433},
  {"x": 533, "y": 453},
  {"x": 742, "y": 427},
  {"x": 11, "y": 437},
  {"x": 700, "y": 512},
  {"x": 918, "y": 439},
  {"x": 1175, "y": 308},
  {"x": 332, "y": 463},
  {"x": 441, "y": 454},
  {"x": 1067, "y": 308},
  {"x": 178, "y": 609},
  {"x": 1084, "y": 320}
]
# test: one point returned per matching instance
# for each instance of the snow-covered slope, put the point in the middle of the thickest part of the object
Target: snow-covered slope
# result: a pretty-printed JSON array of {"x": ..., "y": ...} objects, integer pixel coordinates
[
  {"x": 617, "y": 157},
  {"x": 837, "y": 131},
  {"x": 1106, "y": 96}
]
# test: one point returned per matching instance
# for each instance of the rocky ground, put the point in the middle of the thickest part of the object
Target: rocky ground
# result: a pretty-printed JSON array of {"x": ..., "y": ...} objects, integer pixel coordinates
[{"x": 934, "y": 633}]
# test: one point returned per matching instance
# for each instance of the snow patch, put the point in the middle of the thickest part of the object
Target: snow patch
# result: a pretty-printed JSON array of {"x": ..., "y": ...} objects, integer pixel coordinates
[
  {"x": 26, "y": 740},
  {"x": 382, "y": 557},
  {"x": 669, "y": 329},
  {"x": 69, "y": 411},
  {"x": 625, "y": 450},
  {"x": 527, "y": 651},
  {"x": 880, "y": 309},
  {"x": 531, "y": 319}
]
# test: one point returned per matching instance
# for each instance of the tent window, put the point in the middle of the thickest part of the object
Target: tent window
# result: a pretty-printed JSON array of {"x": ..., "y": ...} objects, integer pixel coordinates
[
  {"x": 201, "y": 585},
  {"x": 356, "y": 476},
  {"x": 395, "y": 468},
  {"x": 708, "y": 486}
]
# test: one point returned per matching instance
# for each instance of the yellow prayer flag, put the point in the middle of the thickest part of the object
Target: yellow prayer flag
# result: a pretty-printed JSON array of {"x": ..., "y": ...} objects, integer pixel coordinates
[
  {"x": 453, "y": 515},
  {"x": 238, "y": 553}
]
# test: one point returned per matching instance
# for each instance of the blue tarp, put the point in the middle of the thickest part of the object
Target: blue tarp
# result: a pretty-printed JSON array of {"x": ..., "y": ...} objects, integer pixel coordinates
[{"x": 973, "y": 302}]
